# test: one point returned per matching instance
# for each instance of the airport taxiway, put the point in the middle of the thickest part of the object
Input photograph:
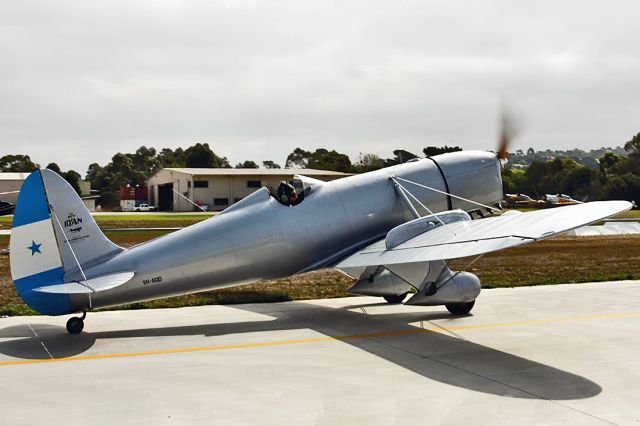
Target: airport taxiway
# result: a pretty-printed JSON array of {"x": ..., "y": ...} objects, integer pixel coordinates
[{"x": 566, "y": 354}]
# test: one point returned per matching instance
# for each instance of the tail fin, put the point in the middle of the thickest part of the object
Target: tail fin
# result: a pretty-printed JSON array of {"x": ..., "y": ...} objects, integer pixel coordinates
[
  {"x": 77, "y": 233},
  {"x": 52, "y": 233}
]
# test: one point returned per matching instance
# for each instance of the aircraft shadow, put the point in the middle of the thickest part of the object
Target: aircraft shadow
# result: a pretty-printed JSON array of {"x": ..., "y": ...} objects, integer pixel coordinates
[{"x": 435, "y": 356}]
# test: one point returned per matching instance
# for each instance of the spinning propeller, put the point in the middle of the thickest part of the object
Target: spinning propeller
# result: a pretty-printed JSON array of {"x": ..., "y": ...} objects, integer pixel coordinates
[{"x": 508, "y": 131}]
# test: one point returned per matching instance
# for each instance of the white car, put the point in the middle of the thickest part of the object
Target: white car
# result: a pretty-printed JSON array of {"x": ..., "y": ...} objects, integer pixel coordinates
[{"x": 145, "y": 208}]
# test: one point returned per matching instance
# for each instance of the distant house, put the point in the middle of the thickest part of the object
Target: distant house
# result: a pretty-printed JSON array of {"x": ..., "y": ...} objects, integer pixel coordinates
[{"x": 215, "y": 189}]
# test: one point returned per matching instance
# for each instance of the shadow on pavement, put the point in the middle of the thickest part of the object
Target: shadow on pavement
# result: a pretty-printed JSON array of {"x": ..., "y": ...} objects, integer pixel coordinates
[{"x": 436, "y": 356}]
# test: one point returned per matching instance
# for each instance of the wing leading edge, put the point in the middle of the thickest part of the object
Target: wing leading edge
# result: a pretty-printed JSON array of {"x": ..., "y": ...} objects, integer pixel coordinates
[{"x": 471, "y": 238}]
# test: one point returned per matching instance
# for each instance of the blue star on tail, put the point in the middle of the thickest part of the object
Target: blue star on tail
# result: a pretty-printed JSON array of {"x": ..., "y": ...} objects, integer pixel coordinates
[{"x": 35, "y": 248}]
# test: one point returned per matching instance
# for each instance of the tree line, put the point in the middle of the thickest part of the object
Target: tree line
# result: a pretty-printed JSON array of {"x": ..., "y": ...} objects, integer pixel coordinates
[{"x": 614, "y": 175}]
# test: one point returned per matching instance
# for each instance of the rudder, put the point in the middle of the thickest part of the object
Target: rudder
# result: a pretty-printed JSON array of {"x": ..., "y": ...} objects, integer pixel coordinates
[{"x": 34, "y": 256}]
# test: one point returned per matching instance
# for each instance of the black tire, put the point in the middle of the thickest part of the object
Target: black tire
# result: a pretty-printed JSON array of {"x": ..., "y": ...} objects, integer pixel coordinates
[
  {"x": 460, "y": 308},
  {"x": 397, "y": 298},
  {"x": 75, "y": 325}
]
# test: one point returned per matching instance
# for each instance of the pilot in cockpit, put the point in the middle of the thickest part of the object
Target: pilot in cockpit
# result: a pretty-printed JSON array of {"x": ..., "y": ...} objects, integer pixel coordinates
[{"x": 287, "y": 194}]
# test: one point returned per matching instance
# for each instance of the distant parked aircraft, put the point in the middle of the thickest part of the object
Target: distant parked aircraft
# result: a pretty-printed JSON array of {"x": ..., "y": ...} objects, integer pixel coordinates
[{"x": 557, "y": 200}]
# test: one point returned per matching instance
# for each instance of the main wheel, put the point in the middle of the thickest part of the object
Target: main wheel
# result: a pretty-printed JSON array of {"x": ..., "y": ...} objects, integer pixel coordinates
[
  {"x": 460, "y": 308},
  {"x": 397, "y": 298},
  {"x": 75, "y": 325}
]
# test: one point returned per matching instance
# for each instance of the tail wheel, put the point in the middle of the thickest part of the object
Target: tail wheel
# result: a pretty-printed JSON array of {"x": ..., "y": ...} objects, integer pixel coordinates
[
  {"x": 397, "y": 298},
  {"x": 460, "y": 308},
  {"x": 75, "y": 325}
]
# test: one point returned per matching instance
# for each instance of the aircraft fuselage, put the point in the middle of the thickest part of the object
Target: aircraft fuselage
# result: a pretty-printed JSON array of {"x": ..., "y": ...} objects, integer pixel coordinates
[{"x": 258, "y": 238}]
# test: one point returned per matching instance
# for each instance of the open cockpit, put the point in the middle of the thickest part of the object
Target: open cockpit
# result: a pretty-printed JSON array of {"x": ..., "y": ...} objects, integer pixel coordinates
[{"x": 294, "y": 192}]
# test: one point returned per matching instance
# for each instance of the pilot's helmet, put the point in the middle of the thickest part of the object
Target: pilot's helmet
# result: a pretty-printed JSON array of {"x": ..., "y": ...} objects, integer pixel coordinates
[{"x": 284, "y": 192}]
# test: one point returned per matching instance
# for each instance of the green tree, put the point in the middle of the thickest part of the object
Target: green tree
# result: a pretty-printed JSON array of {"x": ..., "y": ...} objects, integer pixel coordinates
[
  {"x": 330, "y": 160},
  {"x": 93, "y": 171},
  {"x": 298, "y": 158},
  {"x": 430, "y": 151},
  {"x": 146, "y": 161},
  {"x": 609, "y": 163},
  {"x": 321, "y": 159},
  {"x": 73, "y": 178},
  {"x": 625, "y": 187},
  {"x": 169, "y": 158},
  {"x": 633, "y": 146},
  {"x": 368, "y": 162},
  {"x": 268, "y": 164},
  {"x": 200, "y": 155},
  {"x": 17, "y": 163},
  {"x": 247, "y": 164},
  {"x": 557, "y": 175},
  {"x": 513, "y": 181},
  {"x": 577, "y": 181},
  {"x": 400, "y": 156}
]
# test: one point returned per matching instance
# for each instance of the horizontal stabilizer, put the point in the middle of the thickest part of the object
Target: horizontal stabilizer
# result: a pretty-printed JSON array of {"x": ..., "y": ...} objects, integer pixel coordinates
[
  {"x": 93, "y": 285},
  {"x": 471, "y": 238}
]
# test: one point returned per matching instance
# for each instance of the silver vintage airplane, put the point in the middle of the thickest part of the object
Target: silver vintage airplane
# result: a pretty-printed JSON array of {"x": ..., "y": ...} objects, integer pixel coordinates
[{"x": 391, "y": 229}]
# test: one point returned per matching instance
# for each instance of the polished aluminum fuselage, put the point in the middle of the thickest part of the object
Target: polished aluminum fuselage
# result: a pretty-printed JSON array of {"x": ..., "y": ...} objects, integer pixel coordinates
[{"x": 259, "y": 238}]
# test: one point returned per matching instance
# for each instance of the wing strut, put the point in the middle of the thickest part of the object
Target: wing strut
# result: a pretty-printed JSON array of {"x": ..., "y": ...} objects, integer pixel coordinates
[
  {"x": 404, "y": 192},
  {"x": 400, "y": 190}
]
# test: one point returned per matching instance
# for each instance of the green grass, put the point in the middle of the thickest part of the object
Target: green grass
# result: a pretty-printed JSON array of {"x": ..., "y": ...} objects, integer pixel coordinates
[
  {"x": 151, "y": 217},
  {"x": 631, "y": 214},
  {"x": 137, "y": 217},
  {"x": 550, "y": 279}
]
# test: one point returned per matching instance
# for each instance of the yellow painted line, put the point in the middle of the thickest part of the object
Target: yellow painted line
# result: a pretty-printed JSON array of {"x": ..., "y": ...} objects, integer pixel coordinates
[{"x": 322, "y": 339}]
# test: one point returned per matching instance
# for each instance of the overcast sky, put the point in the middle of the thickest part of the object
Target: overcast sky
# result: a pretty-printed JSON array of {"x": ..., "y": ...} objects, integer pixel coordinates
[{"x": 82, "y": 80}]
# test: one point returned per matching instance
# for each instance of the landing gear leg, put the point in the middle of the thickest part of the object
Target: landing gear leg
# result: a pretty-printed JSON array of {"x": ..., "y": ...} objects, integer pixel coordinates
[{"x": 76, "y": 324}]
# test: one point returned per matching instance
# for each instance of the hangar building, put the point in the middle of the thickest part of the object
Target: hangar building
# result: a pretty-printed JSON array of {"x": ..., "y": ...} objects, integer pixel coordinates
[
  {"x": 216, "y": 189},
  {"x": 11, "y": 182}
]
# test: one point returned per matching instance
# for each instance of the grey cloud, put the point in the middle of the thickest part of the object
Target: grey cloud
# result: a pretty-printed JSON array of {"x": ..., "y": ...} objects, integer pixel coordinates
[{"x": 82, "y": 81}]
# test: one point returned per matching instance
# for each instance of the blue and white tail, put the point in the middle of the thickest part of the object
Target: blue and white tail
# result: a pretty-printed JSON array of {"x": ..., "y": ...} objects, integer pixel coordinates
[{"x": 52, "y": 239}]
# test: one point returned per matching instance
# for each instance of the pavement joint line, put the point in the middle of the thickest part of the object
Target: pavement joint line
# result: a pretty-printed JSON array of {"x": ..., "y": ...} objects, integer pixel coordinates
[
  {"x": 41, "y": 342},
  {"x": 395, "y": 333},
  {"x": 33, "y": 331},
  {"x": 46, "y": 350}
]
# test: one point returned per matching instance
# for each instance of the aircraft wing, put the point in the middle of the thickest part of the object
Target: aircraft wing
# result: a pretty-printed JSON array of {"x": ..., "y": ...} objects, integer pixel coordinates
[
  {"x": 471, "y": 238},
  {"x": 92, "y": 285}
]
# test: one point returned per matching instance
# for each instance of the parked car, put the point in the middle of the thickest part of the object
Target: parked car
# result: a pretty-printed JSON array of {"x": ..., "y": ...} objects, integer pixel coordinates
[
  {"x": 145, "y": 208},
  {"x": 6, "y": 208}
]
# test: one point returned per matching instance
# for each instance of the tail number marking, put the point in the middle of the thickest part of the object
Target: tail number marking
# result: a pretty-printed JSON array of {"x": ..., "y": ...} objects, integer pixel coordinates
[{"x": 154, "y": 280}]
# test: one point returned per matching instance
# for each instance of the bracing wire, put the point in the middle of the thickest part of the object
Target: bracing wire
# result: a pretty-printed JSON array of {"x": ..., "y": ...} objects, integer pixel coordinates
[
  {"x": 406, "y": 191},
  {"x": 448, "y": 193},
  {"x": 187, "y": 198},
  {"x": 86, "y": 281}
]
